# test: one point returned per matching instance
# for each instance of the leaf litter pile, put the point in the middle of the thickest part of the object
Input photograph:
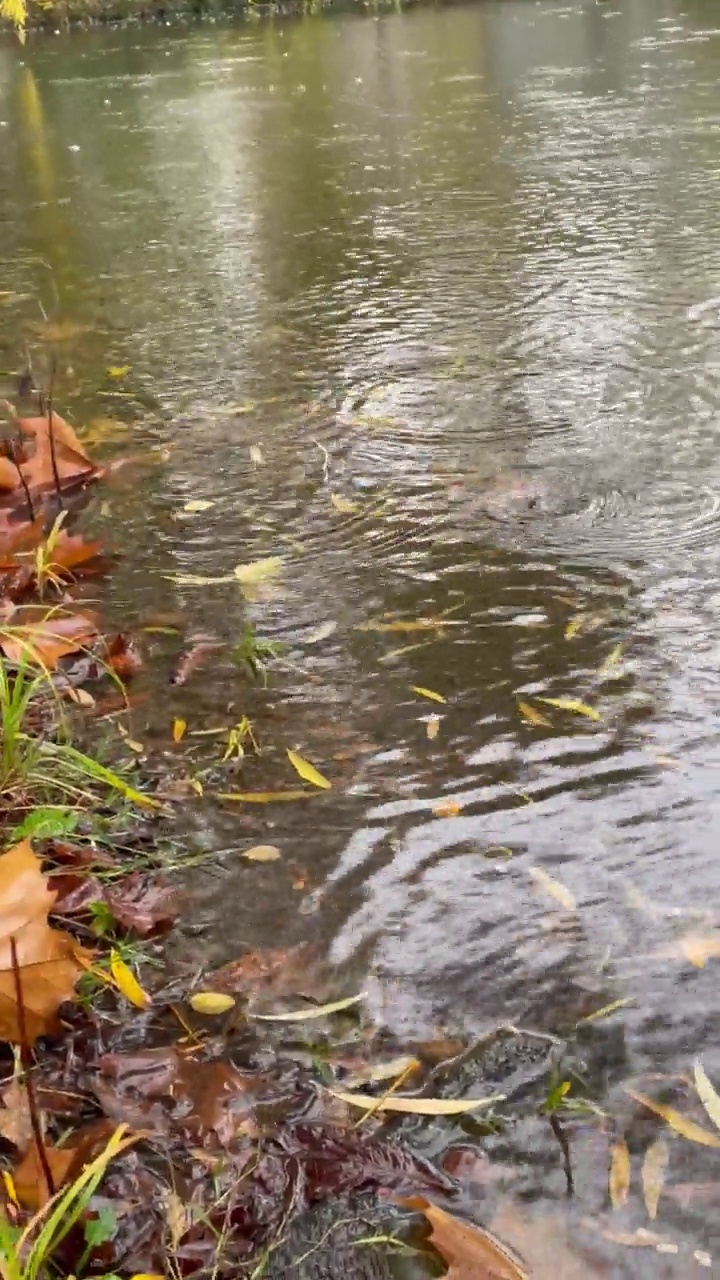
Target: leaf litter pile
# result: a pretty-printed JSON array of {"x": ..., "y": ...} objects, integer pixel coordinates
[{"x": 217, "y": 1116}]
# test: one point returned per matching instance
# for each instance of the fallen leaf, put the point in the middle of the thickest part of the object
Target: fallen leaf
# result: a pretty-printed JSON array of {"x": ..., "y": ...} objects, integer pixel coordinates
[
  {"x": 605, "y": 1012},
  {"x": 447, "y": 809},
  {"x": 122, "y": 657},
  {"x": 15, "y": 1122},
  {"x": 380, "y": 1071},
  {"x": 572, "y": 704},
  {"x": 81, "y": 697},
  {"x": 471, "y": 1252},
  {"x": 687, "y": 1128},
  {"x": 619, "y": 1180},
  {"x": 313, "y": 1011},
  {"x": 654, "y": 1168},
  {"x": 262, "y": 853},
  {"x": 428, "y": 693},
  {"x": 344, "y": 505},
  {"x": 264, "y": 797},
  {"x": 198, "y": 505},
  {"x": 432, "y": 727},
  {"x": 574, "y": 626},
  {"x": 256, "y": 455},
  {"x": 414, "y": 624},
  {"x": 193, "y": 658},
  {"x": 307, "y": 771},
  {"x": 29, "y": 1178},
  {"x": 554, "y": 888},
  {"x": 48, "y": 639},
  {"x": 211, "y": 1003},
  {"x": 49, "y": 960},
  {"x": 322, "y": 632},
  {"x": 417, "y": 1106},
  {"x": 126, "y": 982},
  {"x": 707, "y": 1094},
  {"x": 118, "y": 370},
  {"x": 178, "y": 730},
  {"x": 258, "y": 570},
  {"x": 533, "y": 716},
  {"x": 699, "y": 948}
]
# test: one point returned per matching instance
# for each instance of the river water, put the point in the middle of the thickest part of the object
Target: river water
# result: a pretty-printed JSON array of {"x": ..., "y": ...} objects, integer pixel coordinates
[{"x": 356, "y": 268}]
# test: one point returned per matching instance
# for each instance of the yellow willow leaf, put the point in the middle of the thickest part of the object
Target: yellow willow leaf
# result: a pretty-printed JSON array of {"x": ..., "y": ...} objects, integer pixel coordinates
[
  {"x": 428, "y": 693},
  {"x": 137, "y": 748},
  {"x": 432, "y": 727},
  {"x": 412, "y": 624},
  {"x": 612, "y": 659},
  {"x": 383, "y": 1071},
  {"x": 197, "y": 505},
  {"x": 264, "y": 797},
  {"x": 447, "y": 809},
  {"x": 118, "y": 370},
  {"x": 258, "y": 570},
  {"x": 532, "y": 715},
  {"x": 126, "y": 982},
  {"x": 572, "y": 704},
  {"x": 417, "y": 1106},
  {"x": 307, "y": 771},
  {"x": 147, "y": 1275},
  {"x": 10, "y": 1188},
  {"x": 178, "y": 730},
  {"x": 314, "y": 1011},
  {"x": 707, "y": 1094},
  {"x": 654, "y": 1168},
  {"x": 619, "y": 1181},
  {"x": 574, "y": 625},
  {"x": 211, "y": 1002},
  {"x": 687, "y": 1128},
  {"x": 554, "y": 888},
  {"x": 262, "y": 853},
  {"x": 605, "y": 1012},
  {"x": 344, "y": 505},
  {"x": 196, "y": 579}
]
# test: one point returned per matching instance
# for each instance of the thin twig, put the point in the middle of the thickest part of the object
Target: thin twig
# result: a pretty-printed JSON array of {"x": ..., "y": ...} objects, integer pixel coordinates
[
  {"x": 26, "y": 1060},
  {"x": 51, "y": 434},
  {"x": 564, "y": 1145},
  {"x": 24, "y": 483},
  {"x": 326, "y": 460}
]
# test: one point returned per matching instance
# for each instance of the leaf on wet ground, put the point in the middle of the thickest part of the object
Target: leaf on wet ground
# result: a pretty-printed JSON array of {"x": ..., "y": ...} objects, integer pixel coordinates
[
  {"x": 533, "y": 716},
  {"x": 126, "y": 982},
  {"x": 29, "y": 1178},
  {"x": 46, "y": 639},
  {"x": 619, "y": 1178},
  {"x": 471, "y": 1252},
  {"x": 15, "y": 1121},
  {"x": 416, "y": 1106},
  {"x": 432, "y": 727},
  {"x": 680, "y": 1123},
  {"x": 313, "y": 1011},
  {"x": 573, "y": 705},
  {"x": 211, "y": 1003},
  {"x": 307, "y": 771},
  {"x": 262, "y": 853},
  {"x": 428, "y": 693},
  {"x": 707, "y": 1094},
  {"x": 553, "y": 887},
  {"x": 49, "y": 960},
  {"x": 654, "y": 1168}
]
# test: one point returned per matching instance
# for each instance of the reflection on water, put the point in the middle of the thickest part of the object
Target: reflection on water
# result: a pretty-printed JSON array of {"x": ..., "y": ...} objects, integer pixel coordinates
[{"x": 360, "y": 269}]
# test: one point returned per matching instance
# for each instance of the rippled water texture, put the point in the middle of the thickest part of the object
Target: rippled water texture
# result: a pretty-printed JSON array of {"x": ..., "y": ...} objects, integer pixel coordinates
[{"x": 410, "y": 261}]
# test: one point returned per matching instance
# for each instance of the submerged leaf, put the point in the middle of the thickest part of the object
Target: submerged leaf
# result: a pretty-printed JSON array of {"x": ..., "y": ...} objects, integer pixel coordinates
[
  {"x": 126, "y": 982},
  {"x": 432, "y": 727},
  {"x": 198, "y": 505},
  {"x": 572, "y": 704},
  {"x": 654, "y": 1168},
  {"x": 314, "y": 1011},
  {"x": 533, "y": 716},
  {"x": 428, "y": 693},
  {"x": 554, "y": 888},
  {"x": 262, "y": 853},
  {"x": 256, "y": 455},
  {"x": 307, "y": 771},
  {"x": 447, "y": 809},
  {"x": 417, "y": 1106},
  {"x": 687, "y": 1128},
  {"x": 258, "y": 570},
  {"x": 264, "y": 797},
  {"x": 211, "y": 1002},
  {"x": 345, "y": 506},
  {"x": 619, "y": 1180},
  {"x": 707, "y": 1094}
]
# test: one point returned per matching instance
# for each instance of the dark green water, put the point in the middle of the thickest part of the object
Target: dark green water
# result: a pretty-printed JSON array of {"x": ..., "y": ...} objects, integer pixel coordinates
[{"x": 401, "y": 255}]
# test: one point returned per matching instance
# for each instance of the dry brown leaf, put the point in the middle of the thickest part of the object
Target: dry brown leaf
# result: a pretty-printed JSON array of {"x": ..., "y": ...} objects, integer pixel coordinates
[
  {"x": 619, "y": 1180},
  {"x": 471, "y": 1252},
  {"x": 49, "y": 960},
  {"x": 15, "y": 1122},
  {"x": 654, "y": 1168},
  {"x": 29, "y": 1177},
  {"x": 46, "y": 639}
]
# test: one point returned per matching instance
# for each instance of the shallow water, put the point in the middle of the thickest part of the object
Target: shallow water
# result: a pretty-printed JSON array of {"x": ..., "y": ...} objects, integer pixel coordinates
[{"x": 400, "y": 255}]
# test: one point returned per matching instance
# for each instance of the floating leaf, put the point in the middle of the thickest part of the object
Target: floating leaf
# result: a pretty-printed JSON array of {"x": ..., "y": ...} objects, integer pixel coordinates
[
  {"x": 262, "y": 853},
  {"x": 264, "y": 797},
  {"x": 211, "y": 1003},
  {"x": 612, "y": 660},
  {"x": 707, "y": 1094},
  {"x": 447, "y": 809},
  {"x": 314, "y": 1011},
  {"x": 383, "y": 1071},
  {"x": 687, "y": 1128},
  {"x": 533, "y": 716},
  {"x": 699, "y": 948},
  {"x": 258, "y": 570},
  {"x": 256, "y": 455},
  {"x": 126, "y": 982},
  {"x": 344, "y": 505},
  {"x": 308, "y": 771},
  {"x": 196, "y": 579},
  {"x": 554, "y": 888},
  {"x": 178, "y": 730},
  {"x": 118, "y": 370},
  {"x": 572, "y": 704},
  {"x": 417, "y": 1106},
  {"x": 432, "y": 727},
  {"x": 654, "y": 1168},
  {"x": 471, "y": 1252},
  {"x": 428, "y": 693},
  {"x": 574, "y": 626},
  {"x": 605, "y": 1012},
  {"x": 619, "y": 1181},
  {"x": 412, "y": 624},
  {"x": 198, "y": 505}
]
